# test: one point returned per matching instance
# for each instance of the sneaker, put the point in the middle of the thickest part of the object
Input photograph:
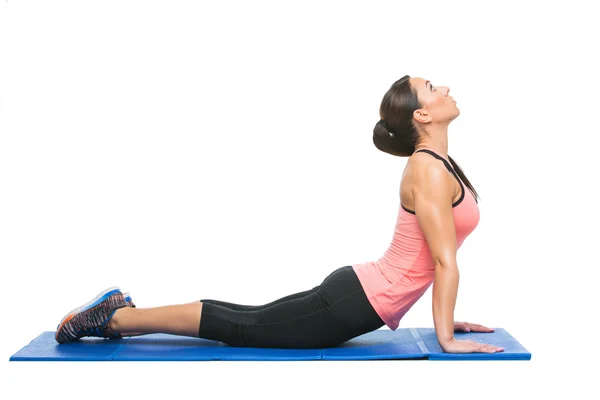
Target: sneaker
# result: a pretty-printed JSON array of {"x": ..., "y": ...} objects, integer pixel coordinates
[
  {"x": 127, "y": 297},
  {"x": 92, "y": 318}
]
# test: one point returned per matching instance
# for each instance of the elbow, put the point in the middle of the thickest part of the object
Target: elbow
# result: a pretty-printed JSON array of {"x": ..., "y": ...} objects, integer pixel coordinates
[{"x": 445, "y": 262}]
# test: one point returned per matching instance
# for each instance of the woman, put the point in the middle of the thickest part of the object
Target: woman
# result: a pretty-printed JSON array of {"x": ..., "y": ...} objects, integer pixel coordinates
[{"x": 436, "y": 215}]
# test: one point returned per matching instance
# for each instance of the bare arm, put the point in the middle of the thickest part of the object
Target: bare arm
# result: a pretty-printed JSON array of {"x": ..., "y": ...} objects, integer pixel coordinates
[{"x": 433, "y": 196}]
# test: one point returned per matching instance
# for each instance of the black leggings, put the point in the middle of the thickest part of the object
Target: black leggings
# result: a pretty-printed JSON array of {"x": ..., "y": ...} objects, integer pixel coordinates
[{"x": 326, "y": 316}]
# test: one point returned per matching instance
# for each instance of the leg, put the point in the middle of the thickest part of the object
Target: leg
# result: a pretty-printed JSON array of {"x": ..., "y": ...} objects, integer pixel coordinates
[
  {"x": 336, "y": 312},
  {"x": 328, "y": 317},
  {"x": 180, "y": 319},
  {"x": 142, "y": 321},
  {"x": 239, "y": 307}
]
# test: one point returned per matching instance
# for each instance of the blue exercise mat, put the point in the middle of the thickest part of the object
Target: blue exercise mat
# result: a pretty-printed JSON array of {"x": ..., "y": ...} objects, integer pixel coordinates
[{"x": 382, "y": 344}]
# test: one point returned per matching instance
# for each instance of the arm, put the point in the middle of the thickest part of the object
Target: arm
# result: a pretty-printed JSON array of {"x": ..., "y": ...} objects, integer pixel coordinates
[{"x": 433, "y": 196}]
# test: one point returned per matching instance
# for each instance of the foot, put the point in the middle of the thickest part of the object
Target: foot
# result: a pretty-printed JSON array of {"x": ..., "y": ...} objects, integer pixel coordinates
[
  {"x": 92, "y": 318},
  {"x": 126, "y": 296}
]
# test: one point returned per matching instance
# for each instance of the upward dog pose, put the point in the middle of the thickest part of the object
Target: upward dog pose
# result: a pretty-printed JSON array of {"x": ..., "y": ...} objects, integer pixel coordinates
[{"x": 435, "y": 216}]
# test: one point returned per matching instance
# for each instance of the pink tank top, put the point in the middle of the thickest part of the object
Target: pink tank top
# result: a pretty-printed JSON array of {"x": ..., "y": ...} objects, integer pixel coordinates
[{"x": 398, "y": 279}]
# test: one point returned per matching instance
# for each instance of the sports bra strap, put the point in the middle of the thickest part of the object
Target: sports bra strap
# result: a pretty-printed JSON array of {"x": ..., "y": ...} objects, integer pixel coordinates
[{"x": 446, "y": 163}]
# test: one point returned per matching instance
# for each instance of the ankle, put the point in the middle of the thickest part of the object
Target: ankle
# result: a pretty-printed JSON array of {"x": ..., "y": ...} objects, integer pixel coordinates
[{"x": 114, "y": 322}]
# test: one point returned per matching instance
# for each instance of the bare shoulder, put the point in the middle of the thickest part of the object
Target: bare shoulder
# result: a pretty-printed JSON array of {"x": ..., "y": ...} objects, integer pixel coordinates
[
  {"x": 423, "y": 171},
  {"x": 422, "y": 167}
]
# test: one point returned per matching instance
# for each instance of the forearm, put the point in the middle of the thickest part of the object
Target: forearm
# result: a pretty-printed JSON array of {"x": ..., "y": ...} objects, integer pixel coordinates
[{"x": 445, "y": 288}]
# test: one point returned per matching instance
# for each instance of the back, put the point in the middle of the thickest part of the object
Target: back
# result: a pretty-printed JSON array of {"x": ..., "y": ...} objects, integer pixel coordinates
[{"x": 401, "y": 276}]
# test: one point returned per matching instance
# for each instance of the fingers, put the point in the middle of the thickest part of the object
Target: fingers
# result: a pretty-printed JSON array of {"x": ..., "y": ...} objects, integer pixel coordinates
[
  {"x": 488, "y": 348},
  {"x": 477, "y": 328},
  {"x": 482, "y": 328}
]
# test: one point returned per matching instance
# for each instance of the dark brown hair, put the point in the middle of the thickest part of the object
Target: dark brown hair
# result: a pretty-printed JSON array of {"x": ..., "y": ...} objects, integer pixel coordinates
[{"x": 396, "y": 113}]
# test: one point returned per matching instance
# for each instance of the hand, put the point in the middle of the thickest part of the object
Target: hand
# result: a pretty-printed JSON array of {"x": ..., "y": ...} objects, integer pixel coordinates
[
  {"x": 467, "y": 327},
  {"x": 469, "y": 346}
]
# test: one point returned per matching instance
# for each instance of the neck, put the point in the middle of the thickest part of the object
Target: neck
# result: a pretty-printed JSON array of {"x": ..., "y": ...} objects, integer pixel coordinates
[{"x": 436, "y": 141}]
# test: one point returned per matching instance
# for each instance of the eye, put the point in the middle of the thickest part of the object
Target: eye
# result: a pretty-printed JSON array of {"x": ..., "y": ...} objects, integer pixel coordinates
[{"x": 432, "y": 87}]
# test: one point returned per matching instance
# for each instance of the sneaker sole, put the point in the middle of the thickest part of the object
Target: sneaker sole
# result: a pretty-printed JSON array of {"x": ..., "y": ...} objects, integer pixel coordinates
[{"x": 97, "y": 300}]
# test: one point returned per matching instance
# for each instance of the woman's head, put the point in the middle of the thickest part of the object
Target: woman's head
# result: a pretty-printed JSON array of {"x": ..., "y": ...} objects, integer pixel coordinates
[
  {"x": 411, "y": 110},
  {"x": 408, "y": 109}
]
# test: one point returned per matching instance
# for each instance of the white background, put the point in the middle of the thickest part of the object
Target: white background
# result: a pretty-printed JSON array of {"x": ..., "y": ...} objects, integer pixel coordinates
[{"x": 185, "y": 150}]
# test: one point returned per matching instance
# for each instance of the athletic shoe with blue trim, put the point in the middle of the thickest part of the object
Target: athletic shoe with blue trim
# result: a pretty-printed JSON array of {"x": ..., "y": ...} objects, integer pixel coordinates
[
  {"x": 92, "y": 318},
  {"x": 126, "y": 296}
]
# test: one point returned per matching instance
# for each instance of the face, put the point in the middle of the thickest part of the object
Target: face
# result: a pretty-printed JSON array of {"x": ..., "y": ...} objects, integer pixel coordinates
[{"x": 438, "y": 106}]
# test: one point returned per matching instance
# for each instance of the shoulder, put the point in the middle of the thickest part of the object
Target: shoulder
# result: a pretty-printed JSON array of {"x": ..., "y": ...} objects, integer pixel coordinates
[
  {"x": 425, "y": 176},
  {"x": 424, "y": 168}
]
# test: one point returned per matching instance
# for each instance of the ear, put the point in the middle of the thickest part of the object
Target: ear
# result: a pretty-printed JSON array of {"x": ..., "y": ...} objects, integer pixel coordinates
[{"x": 422, "y": 115}]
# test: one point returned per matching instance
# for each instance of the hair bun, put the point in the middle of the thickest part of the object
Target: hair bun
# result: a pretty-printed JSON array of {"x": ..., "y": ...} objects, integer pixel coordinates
[{"x": 382, "y": 122}]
